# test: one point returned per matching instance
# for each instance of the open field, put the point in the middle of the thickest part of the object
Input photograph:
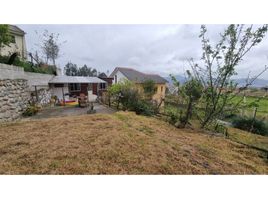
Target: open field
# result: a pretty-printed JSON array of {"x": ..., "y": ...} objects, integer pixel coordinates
[
  {"x": 120, "y": 143},
  {"x": 262, "y": 112}
]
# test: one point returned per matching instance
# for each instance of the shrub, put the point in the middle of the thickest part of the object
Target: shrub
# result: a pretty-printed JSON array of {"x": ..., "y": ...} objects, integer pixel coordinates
[
  {"x": 173, "y": 115},
  {"x": 259, "y": 127},
  {"x": 127, "y": 95},
  {"x": 29, "y": 67},
  {"x": 142, "y": 107},
  {"x": 31, "y": 110}
]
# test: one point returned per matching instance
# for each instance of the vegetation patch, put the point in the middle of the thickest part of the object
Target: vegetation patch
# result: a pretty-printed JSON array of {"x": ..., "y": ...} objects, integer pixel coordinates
[{"x": 86, "y": 145}]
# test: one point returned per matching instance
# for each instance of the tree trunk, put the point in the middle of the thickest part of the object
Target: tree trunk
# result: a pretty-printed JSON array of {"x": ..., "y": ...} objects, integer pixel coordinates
[
  {"x": 188, "y": 113},
  {"x": 253, "y": 120}
]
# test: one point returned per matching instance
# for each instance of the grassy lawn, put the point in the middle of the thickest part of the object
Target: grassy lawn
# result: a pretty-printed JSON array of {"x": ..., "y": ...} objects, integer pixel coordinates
[
  {"x": 121, "y": 143},
  {"x": 262, "y": 109},
  {"x": 247, "y": 138}
]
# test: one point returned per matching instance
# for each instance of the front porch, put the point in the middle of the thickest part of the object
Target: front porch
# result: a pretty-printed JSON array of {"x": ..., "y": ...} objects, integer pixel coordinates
[{"x": 68, "y": 88}]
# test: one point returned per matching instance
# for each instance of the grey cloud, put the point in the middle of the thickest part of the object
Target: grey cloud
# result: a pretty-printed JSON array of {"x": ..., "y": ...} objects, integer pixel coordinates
[{"x": 162, "y": 49}]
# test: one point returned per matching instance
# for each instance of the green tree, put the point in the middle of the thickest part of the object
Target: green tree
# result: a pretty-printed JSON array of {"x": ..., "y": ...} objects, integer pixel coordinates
[
  {"x": 71, "y": 69},
  {"x": 149, "y": 89},
  {"x": 218, "y": 66},
  {"x": 192, "y": 90},
  {"x": 87, "y": 71},
  {"x": 5, "y": 37}
]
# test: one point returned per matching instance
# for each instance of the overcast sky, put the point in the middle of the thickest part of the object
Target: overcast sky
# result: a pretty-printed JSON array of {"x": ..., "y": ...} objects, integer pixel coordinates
[{"x": 161, "y": 49}]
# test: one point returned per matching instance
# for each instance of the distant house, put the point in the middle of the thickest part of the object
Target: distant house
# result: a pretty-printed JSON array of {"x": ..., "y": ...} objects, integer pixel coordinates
[
  {"x": 17, "y": 44},
  {"x": 104, "y": 86},
  {"x": 121, "y": 73}
]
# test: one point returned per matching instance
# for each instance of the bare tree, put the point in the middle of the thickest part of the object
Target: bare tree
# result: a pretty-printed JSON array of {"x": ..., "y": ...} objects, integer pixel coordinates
[{"x": 50, "y": 46}]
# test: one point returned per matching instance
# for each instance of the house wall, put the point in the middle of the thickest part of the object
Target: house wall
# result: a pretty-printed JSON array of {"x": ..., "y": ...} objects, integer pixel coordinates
[
  {"x": 120, "y": 77},
  {"x": 19, "y": 46},
  {"x": 57, "y": 91},
  {"x": 159, "y": 95}
]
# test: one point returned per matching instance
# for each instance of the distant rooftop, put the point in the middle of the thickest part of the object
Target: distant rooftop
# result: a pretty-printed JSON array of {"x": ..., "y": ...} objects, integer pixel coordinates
[{"x": 138, "y": 77}]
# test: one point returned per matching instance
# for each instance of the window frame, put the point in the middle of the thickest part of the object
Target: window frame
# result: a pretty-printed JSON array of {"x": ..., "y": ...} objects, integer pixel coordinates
[
  {"x": 13, "y": 39},
  {"x": 102, "y": 88},
  {"x": 78, "y": 89}
]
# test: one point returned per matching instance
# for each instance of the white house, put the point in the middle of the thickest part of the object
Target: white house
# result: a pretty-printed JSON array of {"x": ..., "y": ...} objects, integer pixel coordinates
[{"x": 17, "y": 44}]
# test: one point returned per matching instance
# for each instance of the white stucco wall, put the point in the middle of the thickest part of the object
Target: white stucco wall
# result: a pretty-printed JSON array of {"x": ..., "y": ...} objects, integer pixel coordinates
[
  {"x": 57, "y": 91},
  {"x": 120, "y": 77}
]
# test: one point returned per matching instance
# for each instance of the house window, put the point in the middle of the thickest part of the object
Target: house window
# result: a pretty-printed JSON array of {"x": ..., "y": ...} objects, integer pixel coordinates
[
  {"x": 58, "y": 85},
  {"x": 13, "y": 40},
  {"x": 161, "y": 88},
  {"x": 102, "y": 86},
  {"x": 75, "y": 87},
  {"x": 115, "y": 78}
]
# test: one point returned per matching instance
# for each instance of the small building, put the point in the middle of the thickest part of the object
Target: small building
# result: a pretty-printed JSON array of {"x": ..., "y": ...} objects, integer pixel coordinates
[
  {"x": 67, "y": 87},
  {"x": 104, "y": 86},
  {"x": 17, "y": 45},
  {"x": 121, "y": 73}
]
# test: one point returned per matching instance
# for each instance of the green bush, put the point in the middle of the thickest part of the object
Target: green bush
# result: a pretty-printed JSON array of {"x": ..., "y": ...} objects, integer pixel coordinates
[
  {"x": 30, "y": 110},
  {"x": 173, "y": 115},
  {"x": 259, "y": 127},
  {"x": 142, "y": 107},
  {"x": 129, "y": 97},
  {"x": 29, "y": 67}
]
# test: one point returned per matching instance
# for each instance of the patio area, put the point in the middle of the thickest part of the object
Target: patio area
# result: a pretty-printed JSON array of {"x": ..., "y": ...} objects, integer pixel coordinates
[{"x": 61, "y": 111}]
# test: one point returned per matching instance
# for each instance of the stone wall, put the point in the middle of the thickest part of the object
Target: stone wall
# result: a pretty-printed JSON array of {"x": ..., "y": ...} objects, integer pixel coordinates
[
  {"x": 44, "y": 96},
  {"x": 14, "y": 98},
  {"x": 17, "y": 88}
]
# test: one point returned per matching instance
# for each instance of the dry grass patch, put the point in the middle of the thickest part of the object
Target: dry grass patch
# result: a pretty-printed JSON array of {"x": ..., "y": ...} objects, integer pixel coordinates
[{"x": 122, "y": 143}]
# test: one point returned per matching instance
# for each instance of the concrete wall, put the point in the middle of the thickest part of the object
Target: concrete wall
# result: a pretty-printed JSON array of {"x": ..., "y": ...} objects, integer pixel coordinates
[
  {"x": 11, "y": 72},
  {"x": 34, "y": 79}
]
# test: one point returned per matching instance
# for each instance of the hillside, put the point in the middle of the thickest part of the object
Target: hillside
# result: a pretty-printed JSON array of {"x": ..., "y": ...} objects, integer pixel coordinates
[
  {"x": 258, "y": 83},
  {"x": 121, "y": 143}
]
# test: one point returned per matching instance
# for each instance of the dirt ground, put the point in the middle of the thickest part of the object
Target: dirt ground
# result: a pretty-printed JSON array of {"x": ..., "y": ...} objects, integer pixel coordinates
[{"x": 119, "y": 143}]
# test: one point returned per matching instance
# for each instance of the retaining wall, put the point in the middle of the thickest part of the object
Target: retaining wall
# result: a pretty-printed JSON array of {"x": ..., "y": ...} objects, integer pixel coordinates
[
  {"x": 17, "y": 89},
  {"x": 14, "y": 98}
]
